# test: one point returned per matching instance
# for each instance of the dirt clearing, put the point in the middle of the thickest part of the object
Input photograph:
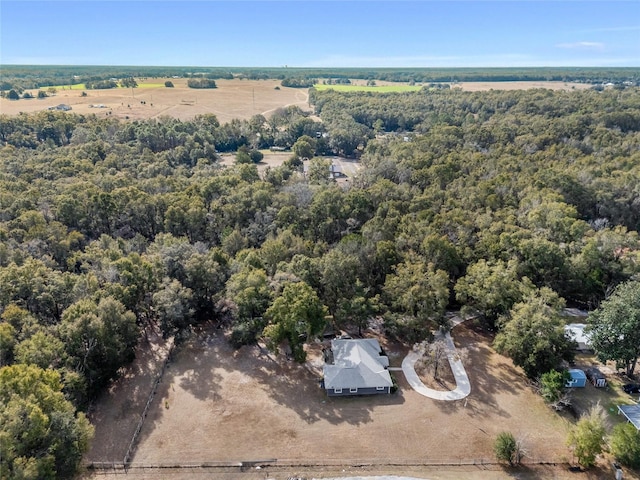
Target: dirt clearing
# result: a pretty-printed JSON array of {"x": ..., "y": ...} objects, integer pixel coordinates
[
  {"x": 217, "y": 404},
  {"x": 232, "y": 99}
]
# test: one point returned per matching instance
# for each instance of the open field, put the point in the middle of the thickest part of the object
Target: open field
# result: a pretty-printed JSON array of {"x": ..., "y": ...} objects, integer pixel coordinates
[
  {"x": 348, "y": 166},
  {"x": 216, "y": 404},
  {"x": 219, "y": 405},
  {"x": 232, "y": 99}
]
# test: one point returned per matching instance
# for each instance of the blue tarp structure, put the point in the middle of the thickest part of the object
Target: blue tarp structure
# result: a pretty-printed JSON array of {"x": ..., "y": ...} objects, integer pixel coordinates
[{"x": 578, "y": 379}]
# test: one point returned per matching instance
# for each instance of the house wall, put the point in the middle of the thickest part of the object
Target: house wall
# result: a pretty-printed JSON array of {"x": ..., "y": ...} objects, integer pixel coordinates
[{"x": 361, "y": 391}]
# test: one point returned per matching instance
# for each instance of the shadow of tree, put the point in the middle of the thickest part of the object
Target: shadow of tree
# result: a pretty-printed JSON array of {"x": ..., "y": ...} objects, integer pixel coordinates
[
  {"x": 298, "y": 389},
  {"x": 207, "y": 366},
  {"x": 488, "y": 373},
  {"x": 118, "y": 409}
]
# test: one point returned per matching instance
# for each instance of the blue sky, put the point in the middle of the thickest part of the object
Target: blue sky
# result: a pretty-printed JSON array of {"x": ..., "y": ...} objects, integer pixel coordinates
[{"x": 321, "y": 33}]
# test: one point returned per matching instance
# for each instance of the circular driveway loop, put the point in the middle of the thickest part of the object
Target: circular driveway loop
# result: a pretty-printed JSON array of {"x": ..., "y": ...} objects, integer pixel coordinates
[{"x": 463, "y": 387}]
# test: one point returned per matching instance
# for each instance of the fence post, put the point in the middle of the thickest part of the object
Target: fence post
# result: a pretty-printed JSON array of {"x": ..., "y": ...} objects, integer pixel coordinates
[{"x": 132, "y": 444}]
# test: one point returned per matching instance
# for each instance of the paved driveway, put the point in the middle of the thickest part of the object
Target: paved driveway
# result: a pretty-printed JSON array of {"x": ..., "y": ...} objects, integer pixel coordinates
[{"x": 463, "y": 387}]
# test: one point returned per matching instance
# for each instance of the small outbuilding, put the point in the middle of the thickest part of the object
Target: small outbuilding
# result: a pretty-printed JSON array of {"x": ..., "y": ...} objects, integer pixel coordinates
[
  {"x": 596, "y": 377},
  {"x": 578, "y": 379},
  {"x": 575, "y": 331}
]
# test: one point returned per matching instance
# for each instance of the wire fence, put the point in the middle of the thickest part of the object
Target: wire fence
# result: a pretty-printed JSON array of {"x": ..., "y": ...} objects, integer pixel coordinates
[
  {"x": 242, "y": 465},
  {"x": 145, "y": 411}
]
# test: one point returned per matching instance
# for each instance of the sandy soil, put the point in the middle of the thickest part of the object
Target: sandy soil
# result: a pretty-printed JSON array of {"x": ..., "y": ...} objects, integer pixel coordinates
[
  {"x": 232, "y": 99},
  {"x": 216, "y": 404},
  {"x": 117, "y": 412}
]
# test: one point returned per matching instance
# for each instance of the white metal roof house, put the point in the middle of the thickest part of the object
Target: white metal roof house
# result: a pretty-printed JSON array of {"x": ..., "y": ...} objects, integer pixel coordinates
[
  {"x": 359, "y": 368},
  {"x": 575, "y": 331}
]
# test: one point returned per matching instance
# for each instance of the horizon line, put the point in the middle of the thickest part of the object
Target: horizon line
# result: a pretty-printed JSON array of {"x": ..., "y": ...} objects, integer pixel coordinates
[{"x": 287, "y": 67}]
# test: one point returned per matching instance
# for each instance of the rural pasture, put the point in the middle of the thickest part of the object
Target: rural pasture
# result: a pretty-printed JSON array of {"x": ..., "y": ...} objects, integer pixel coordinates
[
  {"x": 215, "y": 404},
  {"x": 222, "y": 406},
  {"x": 232, "y": 99}
]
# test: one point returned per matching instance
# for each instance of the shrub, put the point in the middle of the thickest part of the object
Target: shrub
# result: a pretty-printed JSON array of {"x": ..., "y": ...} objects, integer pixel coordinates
[
  {"x": 507, "y": 449},
  {"x": 552, "y": 386},
  {"x": 201, "y": 83},
  {"x": 587, "y": 436},
  {"x": 625, "y": 445},
  {"x": 246, "y": 333}
]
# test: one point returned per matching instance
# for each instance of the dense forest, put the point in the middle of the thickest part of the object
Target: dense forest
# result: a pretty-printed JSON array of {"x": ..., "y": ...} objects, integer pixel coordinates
[
  {"x": 501, "y": 203},
  {"x": 21, "y": 77}
]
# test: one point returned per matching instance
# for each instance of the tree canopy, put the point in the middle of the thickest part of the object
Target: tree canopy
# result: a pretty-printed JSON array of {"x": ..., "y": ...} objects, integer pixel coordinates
[
  {"x": 614, "y": 328},
  {"x": 41, "y": 437},
  {"x": 534, "y": 336},
  {"x": 502, "y": 203}
]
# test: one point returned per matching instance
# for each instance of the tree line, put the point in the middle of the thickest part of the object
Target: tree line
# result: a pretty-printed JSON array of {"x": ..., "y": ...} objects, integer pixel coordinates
[{"x": 23, "y": 77}]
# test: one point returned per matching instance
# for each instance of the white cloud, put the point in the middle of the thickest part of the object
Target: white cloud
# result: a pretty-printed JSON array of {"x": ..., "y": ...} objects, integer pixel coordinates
[{"x": 598, "y": 46}]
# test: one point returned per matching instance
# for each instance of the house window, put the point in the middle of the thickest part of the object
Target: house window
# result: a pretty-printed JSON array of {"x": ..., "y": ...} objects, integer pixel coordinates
[
  {"x": 380, "y": 388},
  {"x": 337, "y": 390},
  {"x": 353, "y": 390}
]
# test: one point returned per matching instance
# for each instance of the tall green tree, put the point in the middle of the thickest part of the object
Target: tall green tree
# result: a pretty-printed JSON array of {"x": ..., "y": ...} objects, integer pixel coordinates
[
  {"x": 172, "y": 304},
  {"x": 99, "y": 338},
  {"x": 491, "y": 289},
  {"x": 533, "y": 335},
  {"x": 305, "y": 147},
  {"x": 417, "y": 289},
  {"x": 614, "y": 328},
  {"x": 297, "y": 314},
  {"x": 41, "y": 435}
]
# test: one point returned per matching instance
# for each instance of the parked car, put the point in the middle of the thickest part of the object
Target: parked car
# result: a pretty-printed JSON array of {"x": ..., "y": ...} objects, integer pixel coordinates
[{"x": 631, "y": 388}]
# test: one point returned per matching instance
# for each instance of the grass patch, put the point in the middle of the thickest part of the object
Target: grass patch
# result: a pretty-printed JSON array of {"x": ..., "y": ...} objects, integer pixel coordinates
[
  {"x": 76, "y": 86},
  {"x": 365, "y": 88},
  {"x": 150, "y": 85}
]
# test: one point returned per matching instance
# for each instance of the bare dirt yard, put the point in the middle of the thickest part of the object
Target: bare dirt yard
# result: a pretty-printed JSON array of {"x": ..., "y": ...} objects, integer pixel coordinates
[
  {"x": 216, "y": 406},
  {"x": 232, "y": 99},
  {"x": 117, "y": 411}
]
